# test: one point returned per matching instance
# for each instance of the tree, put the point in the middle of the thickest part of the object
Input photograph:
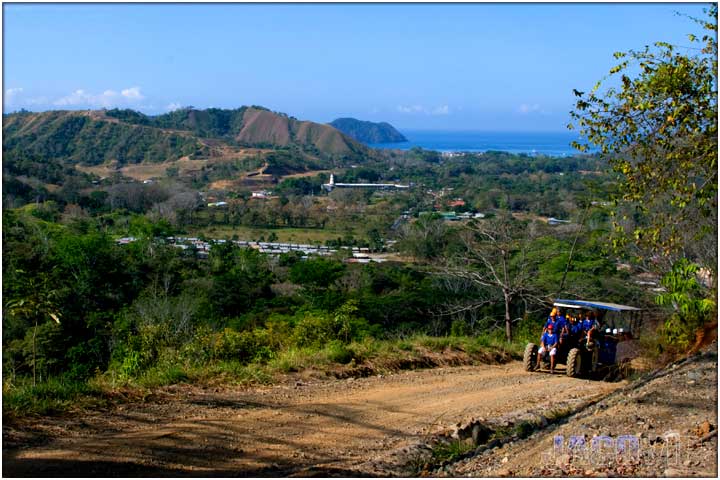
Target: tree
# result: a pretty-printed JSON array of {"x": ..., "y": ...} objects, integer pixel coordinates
[
  {"x": 425, "y": 238},
  {"x": 495, "y": 259},
  {"x": 658, "y": 129},
  {"x": 38, "y": 304}
]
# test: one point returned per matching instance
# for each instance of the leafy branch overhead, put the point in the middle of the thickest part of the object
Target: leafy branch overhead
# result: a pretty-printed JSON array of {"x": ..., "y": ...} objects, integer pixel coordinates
[{"x": 657, "y": 125}]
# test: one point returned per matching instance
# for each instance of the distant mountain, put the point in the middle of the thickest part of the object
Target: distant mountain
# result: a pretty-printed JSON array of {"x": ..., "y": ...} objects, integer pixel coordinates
[
  {"x": 96, "y": 137},
  {"x": 368, "y": 132}
]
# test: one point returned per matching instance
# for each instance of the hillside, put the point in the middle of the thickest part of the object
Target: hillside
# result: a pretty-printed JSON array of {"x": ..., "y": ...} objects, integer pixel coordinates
[
  {"x": 368, "y": 132},
  {"x": 128, "y": 137},
  {"x": 91, "y": 138}
]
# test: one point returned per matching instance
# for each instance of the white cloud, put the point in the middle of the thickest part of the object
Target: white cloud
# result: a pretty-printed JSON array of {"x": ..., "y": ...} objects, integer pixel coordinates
[
  {"x": 526, "y": 108},
  {"x": 410, "y": 108},
  {"x": 439, "y": 110},
  {"x": 12, "y": 93},
  {"x": 108, "y": 98},
  {"x": 173, "y": 106},
  {"x": 132, "y": 93}
]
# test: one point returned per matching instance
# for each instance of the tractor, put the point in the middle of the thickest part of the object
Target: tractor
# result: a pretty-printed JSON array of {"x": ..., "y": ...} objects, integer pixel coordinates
[{"x": 596, "y": 356}]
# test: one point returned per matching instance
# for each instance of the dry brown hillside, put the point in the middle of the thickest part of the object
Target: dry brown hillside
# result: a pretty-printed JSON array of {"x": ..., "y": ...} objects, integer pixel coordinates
[{"x": 265, "y": 127}]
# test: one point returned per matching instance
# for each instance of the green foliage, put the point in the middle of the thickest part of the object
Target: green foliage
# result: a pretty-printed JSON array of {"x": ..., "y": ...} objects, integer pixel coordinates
[
  {"x": 338, "y": 352},
  {"x": 690, "y": 302},
  {"x": 243, "y": 347},
  {"x": 317, "y": 272},
  {"x": 450, "y": 451},
  {"x": 240, "y": 278},
  {"x": 459, "y": 328},
  {"x": 55, "y": 395},
  {"x": 425, "y": 239},
  {"x": 659, "y": 131},
  {"x": 368, "y": 132},
  {"x": 70, "y": 138},
  {"x": 161, "y": 375}
]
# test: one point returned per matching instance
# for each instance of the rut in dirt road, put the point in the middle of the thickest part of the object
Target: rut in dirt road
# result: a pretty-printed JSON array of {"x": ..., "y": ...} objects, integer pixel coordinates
[{"x": 329, "y": 427}]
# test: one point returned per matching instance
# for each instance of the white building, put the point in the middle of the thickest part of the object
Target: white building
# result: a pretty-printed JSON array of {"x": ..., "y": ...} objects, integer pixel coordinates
[{"x": 331, "y": 185}]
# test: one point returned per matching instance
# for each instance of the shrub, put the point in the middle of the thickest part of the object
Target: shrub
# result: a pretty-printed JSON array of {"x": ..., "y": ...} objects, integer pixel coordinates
[
  {"x": 338, "y": 352},
  {"x": 232, "y": 345},
  {"x": 459, "y": 328},
  {"x": 692, "y": 305},
  {"x": 163, "y": 375}
]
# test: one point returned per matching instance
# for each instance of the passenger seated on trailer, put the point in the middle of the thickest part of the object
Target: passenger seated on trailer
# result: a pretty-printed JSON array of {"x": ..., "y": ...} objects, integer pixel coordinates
[
  {"x": 575, "y": 329},
  {"x": 552, "y": 319},
  {"x": 589, "y": 323},
  {"x": 548, "y": 343},
  {"x": 561, "y": 329},
  {"x": 560, "y": 316},
  {"x": 591, "y": 328}
]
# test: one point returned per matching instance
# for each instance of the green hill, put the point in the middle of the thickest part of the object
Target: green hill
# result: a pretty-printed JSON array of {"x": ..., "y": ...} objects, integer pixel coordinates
[{"x": 368, "y": 132}]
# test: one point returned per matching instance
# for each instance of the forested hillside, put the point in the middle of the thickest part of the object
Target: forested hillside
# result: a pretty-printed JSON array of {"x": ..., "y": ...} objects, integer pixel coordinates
[
  {"x": 368, "y": 132},
  {"x": 89, "y": 138}
]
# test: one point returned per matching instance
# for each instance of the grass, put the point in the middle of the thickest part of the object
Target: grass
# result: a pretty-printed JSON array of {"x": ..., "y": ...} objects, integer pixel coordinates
[
  {"x": 450, "y": 451},
  {"x": 161, "y": 376},
  {"x": 57, "y": 395},
  {"x": 51, "y": 396}
]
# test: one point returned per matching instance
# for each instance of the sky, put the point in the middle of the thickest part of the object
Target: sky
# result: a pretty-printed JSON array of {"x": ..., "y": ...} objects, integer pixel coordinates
[{"x": 482, "y": 67}]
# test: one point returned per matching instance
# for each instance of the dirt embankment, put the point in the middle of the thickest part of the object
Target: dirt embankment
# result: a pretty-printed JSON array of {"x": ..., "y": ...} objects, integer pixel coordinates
[
  {"x": 344, "y": 427},
  {"x": 664, "y": 424}
]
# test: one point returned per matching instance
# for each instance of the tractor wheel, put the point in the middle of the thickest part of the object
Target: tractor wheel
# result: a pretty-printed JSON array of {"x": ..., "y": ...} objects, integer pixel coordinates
[
  {"x": 573, "y": 363},
  {"x": 530, "y": 357}
]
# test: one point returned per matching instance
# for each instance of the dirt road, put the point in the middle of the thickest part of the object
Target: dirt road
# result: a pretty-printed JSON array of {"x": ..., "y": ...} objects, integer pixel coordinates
[{"x": 298, "y": 428}]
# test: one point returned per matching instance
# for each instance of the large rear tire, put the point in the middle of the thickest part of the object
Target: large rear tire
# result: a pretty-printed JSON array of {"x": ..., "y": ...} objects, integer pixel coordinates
[
  {"x": 573, "y": 363},
  {"x": 530, "y": 357}
]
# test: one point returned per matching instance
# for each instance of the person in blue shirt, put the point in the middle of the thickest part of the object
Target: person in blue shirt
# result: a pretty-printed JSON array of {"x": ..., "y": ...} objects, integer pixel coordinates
[
  {"x": 574, "y": 329},
  {"x": 550, "y": 321},
  {"x": 590, "y": 325},
  {"x": 590, "y": 330},
  {"x": 561, "y": 329},
  {"x": 548, "y": 344}
]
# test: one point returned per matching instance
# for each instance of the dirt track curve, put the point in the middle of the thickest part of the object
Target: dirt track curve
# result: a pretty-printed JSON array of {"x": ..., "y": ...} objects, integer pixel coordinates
[{"x": 299, "y": 428}]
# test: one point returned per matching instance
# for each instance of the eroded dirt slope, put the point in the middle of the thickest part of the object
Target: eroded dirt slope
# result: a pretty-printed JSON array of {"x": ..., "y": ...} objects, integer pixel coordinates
[
  {"x": 321, "y": 428},
  {"x": 672, "y": 414}
]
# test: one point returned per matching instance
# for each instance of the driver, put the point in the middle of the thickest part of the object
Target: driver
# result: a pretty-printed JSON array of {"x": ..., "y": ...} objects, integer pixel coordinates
[{"x": 548, "y": 343}]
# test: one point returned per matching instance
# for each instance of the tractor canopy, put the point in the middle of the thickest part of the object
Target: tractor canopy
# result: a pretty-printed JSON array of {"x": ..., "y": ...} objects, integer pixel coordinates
[
  {"x": 588, "y": 304},
  {"x": 614, "y": 317}
]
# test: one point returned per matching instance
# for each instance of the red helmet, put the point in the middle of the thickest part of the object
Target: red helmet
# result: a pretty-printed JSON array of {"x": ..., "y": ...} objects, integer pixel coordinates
[{"x": 550, "y": 327}]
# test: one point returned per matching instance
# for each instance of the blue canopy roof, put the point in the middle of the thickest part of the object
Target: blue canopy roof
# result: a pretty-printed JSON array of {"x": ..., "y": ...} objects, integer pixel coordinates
[{"x": 592, "y": 304}]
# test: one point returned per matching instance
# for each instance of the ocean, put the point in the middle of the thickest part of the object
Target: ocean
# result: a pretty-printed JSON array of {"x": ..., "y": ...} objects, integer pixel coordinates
[{"x": 556, "y": 144}]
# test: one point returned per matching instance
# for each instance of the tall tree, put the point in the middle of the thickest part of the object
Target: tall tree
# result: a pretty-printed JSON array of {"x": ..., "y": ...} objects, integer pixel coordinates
[
  {"x": 658, "y": 128},
  {"x": 496, "y": 260}
]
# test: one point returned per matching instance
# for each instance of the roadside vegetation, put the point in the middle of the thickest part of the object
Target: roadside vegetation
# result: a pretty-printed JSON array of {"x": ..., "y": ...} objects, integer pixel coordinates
[{"x": 86, "y": 316}]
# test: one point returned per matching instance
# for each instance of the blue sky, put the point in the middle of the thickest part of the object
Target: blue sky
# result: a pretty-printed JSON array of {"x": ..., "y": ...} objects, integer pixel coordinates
[{"x": 496, "y": 67}]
